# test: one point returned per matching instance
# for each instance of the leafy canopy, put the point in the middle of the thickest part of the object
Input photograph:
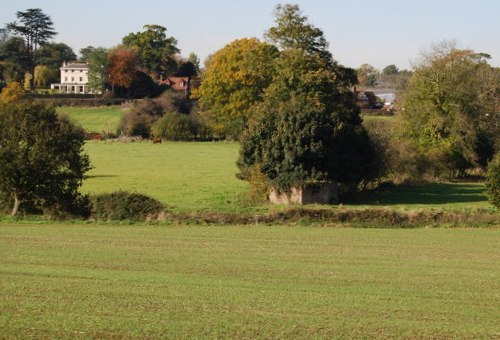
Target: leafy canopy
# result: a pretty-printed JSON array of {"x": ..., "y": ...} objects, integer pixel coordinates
[
  {"x": 41, "y": 160},
  {"x": 98, "y": 64},
  {"x": 493, "y": 181},
  {"x": 305, "y": 133},
  {"x": 156, "y": 51},
  {"x": 450, "y": 111},
  {"x": 293, "y": 31},
  {"x": 36, "y": 28},
  {"x": 122, "y": 66},
  {"x": 12, "y": 93},
  {"x": 234, "y": 80},
  {"x": 54, "y": 54},
  {"x": 307, "y": 129}
]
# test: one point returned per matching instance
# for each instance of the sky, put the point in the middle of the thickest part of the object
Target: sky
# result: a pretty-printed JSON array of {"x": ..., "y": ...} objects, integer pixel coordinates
[{"x": 377, "y": 32}]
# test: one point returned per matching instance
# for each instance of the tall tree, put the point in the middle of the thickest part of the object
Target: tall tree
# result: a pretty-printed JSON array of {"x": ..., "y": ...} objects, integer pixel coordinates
[
  {"x": 13, "y": 58},
  {"x": 36, "y": 28},
  {"x": 34, "y": 140},
  {"x": 195, "y": 60},
  {"x": 98, "y": 63},
  {"x": 85, "y": 53},
  {"x": 156, "y": 51},
  {"x": 367, "y": 75},
  {"x": 54, "y": 54},
  {"x": 450, "y": 108},
  {"x": 308, "y": 130},
  {"x": 233, "y": 82},
  {"x": 45, "y": 75},
  {"x": 293, "y": 31},
  {"x": 122, "y": 66},
  {"x": 305, "y": 133}
]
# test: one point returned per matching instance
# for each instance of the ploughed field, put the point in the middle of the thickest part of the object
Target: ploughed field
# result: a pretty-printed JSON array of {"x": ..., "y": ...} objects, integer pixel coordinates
[{"x": 114, "y": 281}]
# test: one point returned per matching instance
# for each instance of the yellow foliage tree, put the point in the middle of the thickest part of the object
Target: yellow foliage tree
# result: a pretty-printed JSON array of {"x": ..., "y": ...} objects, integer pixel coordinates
[
  {"x": 233, "y": 82},
  {"x": 13, "y": 92}
]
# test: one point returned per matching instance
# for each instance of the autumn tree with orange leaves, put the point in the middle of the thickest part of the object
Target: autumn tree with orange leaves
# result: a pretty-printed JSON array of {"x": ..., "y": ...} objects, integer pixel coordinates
[{"x": 122, "y": 67}]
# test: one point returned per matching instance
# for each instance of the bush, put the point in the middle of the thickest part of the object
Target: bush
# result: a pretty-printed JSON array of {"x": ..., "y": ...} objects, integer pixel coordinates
[
  {"x": 122, "y": 205},
  {"x": 138, "y": 121},
  {"x": 175, "y": 101},
  {"x": 493, "y": 181},
  {"x": 177, "y": 126}
]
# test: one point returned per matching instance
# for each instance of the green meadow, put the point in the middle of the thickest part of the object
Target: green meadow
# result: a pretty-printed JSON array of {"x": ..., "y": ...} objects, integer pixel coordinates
[
  {"x": 107, "y": 281},
  {"x": 202, "y": 177},
  {"x": 102, "y": 119},
  {"x": 184, "y": 176}
]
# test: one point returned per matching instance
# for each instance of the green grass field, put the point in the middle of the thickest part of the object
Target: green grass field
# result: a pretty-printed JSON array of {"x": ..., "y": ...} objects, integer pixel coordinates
[
  {"x": 95, "y": 281},
  {"x": 201, "y": 177},
  {"x": 95, "y": 119},
  {"x": 185, "y": 176}
]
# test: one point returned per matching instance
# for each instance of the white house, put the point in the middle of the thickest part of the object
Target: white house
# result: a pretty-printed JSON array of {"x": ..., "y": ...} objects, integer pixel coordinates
[{"x": 74, "y": 79}]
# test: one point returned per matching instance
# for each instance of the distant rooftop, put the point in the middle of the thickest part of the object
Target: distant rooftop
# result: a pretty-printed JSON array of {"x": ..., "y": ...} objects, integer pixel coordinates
[{"x": 74, "y": 65}]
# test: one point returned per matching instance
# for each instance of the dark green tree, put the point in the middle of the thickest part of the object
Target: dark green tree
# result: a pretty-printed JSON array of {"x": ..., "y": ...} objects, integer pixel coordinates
[
  {"x": 36, "y": 28},
  {"x": 193, "y": 59},
  {"x": 156, "y": 51},
  {"x": 41, "y": 157},
  {"x": 54, "y": 54},
  {"x": 307, "y": 129},
  {"x": 307, "y": 132},
  {"x": 186, "y": 69},
  {"x": 85, "y": 53},
  {"x": 15, "y": 63},
  {"x": 493, "y": 181}
]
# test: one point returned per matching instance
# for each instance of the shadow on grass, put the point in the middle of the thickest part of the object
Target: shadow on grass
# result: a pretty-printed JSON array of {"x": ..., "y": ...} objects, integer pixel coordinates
[{"x": 434, "y": 193}]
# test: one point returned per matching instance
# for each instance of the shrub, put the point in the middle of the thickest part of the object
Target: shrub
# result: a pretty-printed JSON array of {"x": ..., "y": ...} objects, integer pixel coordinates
[
  {"x": 177, "y": 126},
  {"x": 493, "y": 181},
  {"x": 138, "y": 121},
  {"x": 175, "y": 101},
  {"x": 259, "y": 185},
  {"x": 122, "y": 205}
]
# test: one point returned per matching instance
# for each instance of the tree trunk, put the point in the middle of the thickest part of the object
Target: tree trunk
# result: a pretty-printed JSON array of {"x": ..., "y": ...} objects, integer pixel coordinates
[{"x": 17, "y": 203}]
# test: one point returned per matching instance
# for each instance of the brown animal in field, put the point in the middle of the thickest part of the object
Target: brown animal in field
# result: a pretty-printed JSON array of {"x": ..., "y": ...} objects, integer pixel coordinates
[{"x": 156, "y": 140}]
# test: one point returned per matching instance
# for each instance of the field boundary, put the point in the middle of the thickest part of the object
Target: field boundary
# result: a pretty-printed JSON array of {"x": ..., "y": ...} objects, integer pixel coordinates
[{"x": 367, "y": 218}]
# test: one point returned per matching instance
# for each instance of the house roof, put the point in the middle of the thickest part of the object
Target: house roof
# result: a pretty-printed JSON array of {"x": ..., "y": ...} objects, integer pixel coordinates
[
  {"x": 75, "y": 66},
  {"x": 177, "y": 83}
]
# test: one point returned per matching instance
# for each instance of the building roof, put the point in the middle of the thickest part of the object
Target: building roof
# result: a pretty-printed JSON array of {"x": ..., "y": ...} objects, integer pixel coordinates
[
  {"x": 74, "y": 66},
  {"x": 177, "y": 83}
]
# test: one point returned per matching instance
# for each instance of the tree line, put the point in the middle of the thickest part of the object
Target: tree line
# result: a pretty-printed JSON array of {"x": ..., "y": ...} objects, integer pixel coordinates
[{"x": 133, "y": 68}]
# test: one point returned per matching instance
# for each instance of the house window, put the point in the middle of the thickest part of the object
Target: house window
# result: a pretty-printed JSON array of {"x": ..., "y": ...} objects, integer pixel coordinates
[
  {"x": 72, "y": 78},
  {"x": 65, "y": 78},
  {"x": 72, "y": 71},
  {"x": 81, "y": 78}
]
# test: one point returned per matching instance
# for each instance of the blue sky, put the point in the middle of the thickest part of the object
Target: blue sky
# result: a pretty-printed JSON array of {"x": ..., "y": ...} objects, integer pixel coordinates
[{"x": 379, "y": 32}]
